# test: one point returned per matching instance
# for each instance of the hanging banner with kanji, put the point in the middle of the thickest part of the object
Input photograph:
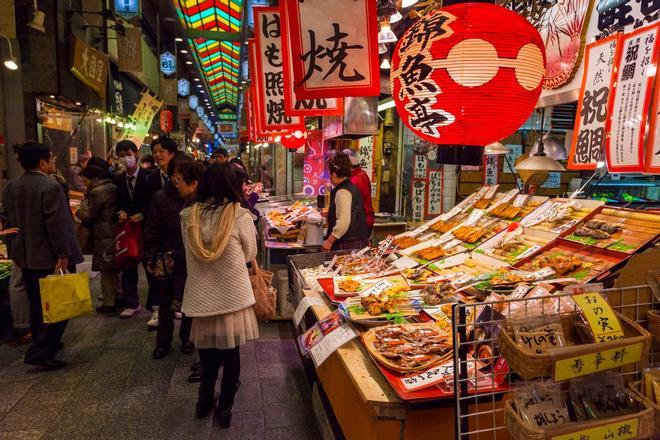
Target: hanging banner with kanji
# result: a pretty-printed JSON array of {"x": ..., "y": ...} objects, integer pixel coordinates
[
  {"x": 630, "y": 101},
  {"x": 653, "y": 148},
  {"x": 591, "y": 117},
  {"x": 141, "y": 119},
  {"x": 255, "y": 100},
  {"x": 366, "y": 154},
  {"x": 418, "y": 199},
  {"x": 334, "y": 48},
  {"x": 269, "y": 77},
  {"x": 302, "y": 107},
  {"x": 90, "y": 66},
  {"x": 490, "y": 169},
  {"x": 313, "y": 182},
  {"x": 129, "y": 50}
]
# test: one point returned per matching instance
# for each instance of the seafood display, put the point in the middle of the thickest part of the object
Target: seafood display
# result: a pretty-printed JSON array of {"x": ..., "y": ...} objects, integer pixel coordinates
[
  {"x": 409, "y": 347},
  {"x": 378, "y": 305},
  {"x": 506, "y": 211},
  {"x": 417, "y": 276},
  {"x": 469, "y": 234},
  {"x": 435, "y": 293},
  {"x": 561, "y": 264},
  {"x": 515, "y": 244},
  {"x": 559, "y": 215},
  {"x": 405, "y": 242}
]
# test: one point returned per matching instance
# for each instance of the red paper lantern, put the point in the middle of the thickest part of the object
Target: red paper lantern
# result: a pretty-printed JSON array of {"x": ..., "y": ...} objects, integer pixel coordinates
[
  {"x": 166, "y": 121},
  {"x": 468, "y": 74},
  {"x": 295, "y": 140}
]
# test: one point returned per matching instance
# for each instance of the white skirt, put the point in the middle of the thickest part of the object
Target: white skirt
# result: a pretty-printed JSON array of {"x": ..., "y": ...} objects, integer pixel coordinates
[{"x": 225, "y": 331}]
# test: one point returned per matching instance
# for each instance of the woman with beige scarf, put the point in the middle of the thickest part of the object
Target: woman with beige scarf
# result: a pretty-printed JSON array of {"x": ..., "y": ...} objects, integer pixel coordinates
[{"x": 219, "y": 239}]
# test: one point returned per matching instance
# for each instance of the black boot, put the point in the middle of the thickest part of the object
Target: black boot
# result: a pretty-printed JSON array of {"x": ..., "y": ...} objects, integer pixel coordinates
[
  {"x": 225, "y": 403},
  {"x": 206, "y": 394}
]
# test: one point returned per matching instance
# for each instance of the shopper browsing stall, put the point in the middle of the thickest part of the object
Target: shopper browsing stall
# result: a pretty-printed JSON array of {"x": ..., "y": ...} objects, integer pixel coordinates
[
  {"x": 347, "y": 224},
  {"x": 361, "y": 180}
]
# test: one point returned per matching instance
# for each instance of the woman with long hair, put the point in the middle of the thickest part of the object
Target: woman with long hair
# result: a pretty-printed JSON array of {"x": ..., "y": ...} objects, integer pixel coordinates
[{"x": 219, "y": 240}]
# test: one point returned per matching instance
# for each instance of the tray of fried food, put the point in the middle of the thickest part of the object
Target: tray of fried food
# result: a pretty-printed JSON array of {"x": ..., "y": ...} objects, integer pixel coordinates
[
  {"x": 506, "y": 211},
  {"x": 482, "y": 231},
  {"x": 469, "y": 234},
  {"x": 395, "y": 300},
  {"x": 561, "y": 215},
  {"x": 409, "y": 347},
  {"x": 443, "y": 226},
  {"x": 417, "y": 276},
  {"x": 516, "y": 243},
  {"x": 483, "y": 203},
  {"x": 405, "y": 241}
]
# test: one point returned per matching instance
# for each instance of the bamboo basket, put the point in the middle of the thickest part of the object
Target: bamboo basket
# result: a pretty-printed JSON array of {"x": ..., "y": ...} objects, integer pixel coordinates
[
  {"x": 529, "y": 365},
  {"x": 636, "y": 388},
  {"x": 653, "y": 319},
  {"x": 520, "y": 429}
]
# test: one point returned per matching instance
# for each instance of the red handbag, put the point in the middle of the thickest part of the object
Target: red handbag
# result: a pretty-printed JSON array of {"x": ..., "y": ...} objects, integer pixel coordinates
[{"x": 128, "y": 245}]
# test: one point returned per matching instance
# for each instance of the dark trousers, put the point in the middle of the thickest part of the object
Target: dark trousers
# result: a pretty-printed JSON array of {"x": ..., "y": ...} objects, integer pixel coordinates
[
  {"x": 166, "y": 317},
  {"x": 45, "y": 337},
  {"x": 129, "y": 289},
  {"x": 211, "y": 359}
]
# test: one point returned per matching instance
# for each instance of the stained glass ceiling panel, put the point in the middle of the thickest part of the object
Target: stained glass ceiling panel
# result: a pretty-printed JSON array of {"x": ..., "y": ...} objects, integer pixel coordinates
[{"x": 218, "y": 60}]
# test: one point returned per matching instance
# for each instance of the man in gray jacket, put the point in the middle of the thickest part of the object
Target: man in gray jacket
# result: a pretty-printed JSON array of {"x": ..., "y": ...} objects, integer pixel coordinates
[{"x": 46, "y": 242}]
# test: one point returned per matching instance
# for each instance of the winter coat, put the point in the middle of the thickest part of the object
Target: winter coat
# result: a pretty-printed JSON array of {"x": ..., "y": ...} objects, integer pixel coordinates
[
  {"x": 162, "y": 233},
  {"x": 97, "y": 212}
]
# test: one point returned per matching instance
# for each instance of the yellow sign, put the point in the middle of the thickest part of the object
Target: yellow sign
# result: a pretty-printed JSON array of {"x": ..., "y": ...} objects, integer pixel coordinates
[
  {"x": 590, "y": 363},
  {"x": 90, "y": 66},
  {"x": 613, "y": 431},
  {"x": 142, "y": 117},
  {"x": 600, "y": 316}
]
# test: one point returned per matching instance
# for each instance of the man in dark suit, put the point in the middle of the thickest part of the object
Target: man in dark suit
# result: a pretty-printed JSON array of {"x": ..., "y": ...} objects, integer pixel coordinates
[
  {"x": 134, "y": 197},
  {"x": 46, "y": 242}
]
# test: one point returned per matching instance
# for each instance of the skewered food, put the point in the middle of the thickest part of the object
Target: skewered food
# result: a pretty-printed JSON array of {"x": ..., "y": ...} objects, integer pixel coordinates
[
  {"x": 482, "y": 203},
  {"x": 469, "y": 234},
  {"x": 505, "y": 278},
  {"x": 434, "y": 294},
  {"x": 431, "y": 253},
  {"x": 405, "y": 242},
  {"x": 349, "y": 285},
  {"x": 384, "y": 302},
  {"x": 444, "y": 226},
  {"x": 593, "y": 233},
  {"x": 418, "y": 275},
  {"x": 561, "y": 264},
  {"x": 506, "y": 210},
  {"x": 564, "y": 211}
]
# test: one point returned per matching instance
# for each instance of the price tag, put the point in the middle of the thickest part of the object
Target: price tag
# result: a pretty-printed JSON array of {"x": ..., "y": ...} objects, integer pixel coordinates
[
  {"x": 539, "y": 292},
  {"x": 576, "y": 366},
  {"x": 600, "y": 316},
  {"x": 533, "y": 248},
  {"x": 377, "y": 288},
  {"x": 447, "y": 215},
  {"x": 300, "y": 241},
  {"x": 452, "y": 261},
  {"x": 303, "y": 305},
  {"x": 520, "y": 201},
  {"x": 541, "y": 274},
  {"x": 566, "y": 226},
  {"x": 505, "y": 199},
  {"x": 520, "y": 291},
  {"x": 461, "y": 280},
  {"x": 446, "y": 276},
  {"x": 474, "y": 217},
  {"x": 331, "y": 342},
  {"x": 332, "y": 262},
  {"x": 363, "y": 251},
  {"x": 405, "y": 263},
  {"x": 427, "y": 236},
  {"x": 612, "y": 431},
  {"x": 540, "y": 215},
  {"x": 429, "y": 377},
  {"x": 490, "y": 191},
  {"x": 452, "y": 243}
]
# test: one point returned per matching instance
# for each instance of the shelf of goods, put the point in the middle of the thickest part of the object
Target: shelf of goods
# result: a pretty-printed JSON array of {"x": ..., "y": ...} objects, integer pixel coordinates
[{"x": 490, "y": 253}]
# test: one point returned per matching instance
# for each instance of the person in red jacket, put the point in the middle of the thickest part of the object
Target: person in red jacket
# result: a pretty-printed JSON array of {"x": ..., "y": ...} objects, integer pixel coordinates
[{"x": 361, "y": 179}]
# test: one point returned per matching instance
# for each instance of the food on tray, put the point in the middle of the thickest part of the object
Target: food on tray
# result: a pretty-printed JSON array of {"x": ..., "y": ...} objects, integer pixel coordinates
[
  {"x": 482, "y": 203},
  {"x": 405, "y": 242},
  {"x": 349, "y": 285},
  {"x": 434, "y": 294},
  {"x": 506, "y": 210},
  {"x": 409, "y": 347},
  {"x": 603, "y": 226},
  {"x": 420, "y": 275},
  {"x": 431, "y": 253},
  {"x": 444, "y": 226},
  {"x": 505, "y": 278},
  {"x": 470, "y": 234},
  {"x": 561, "y": 264},
  {"x": 277, "y": 218},
  {"x": 593, "y": 233},
  {"x": 384, "y": 302}
]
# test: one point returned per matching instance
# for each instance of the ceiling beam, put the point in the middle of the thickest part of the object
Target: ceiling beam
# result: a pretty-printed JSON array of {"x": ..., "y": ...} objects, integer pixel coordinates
[{"x": 214, "y": 35}]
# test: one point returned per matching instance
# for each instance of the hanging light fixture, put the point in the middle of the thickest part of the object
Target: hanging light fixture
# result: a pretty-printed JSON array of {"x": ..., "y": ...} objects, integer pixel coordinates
[
  {"x": 10, "y": 63},
  {"x": 385, "y": 65},
  {"x": 385, "y": 8},
  {"x": 554, "y": 148},
  {"x": 386, "y": 35},
  {"x": 382, "y": 48},
  {"x": 540, "y": 161},
  {"x": 38, "y": 18},
  {"x": 408, "y": 3},
  {"x": 496, "y": 148},
  {"x": 396, "y": 17}
]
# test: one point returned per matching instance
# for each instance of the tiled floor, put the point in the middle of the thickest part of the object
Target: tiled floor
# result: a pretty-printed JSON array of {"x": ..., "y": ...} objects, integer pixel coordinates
[{"x": 113, "y": 389}]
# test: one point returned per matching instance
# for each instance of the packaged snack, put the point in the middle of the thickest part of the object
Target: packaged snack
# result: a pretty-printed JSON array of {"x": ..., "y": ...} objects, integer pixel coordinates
[
  {"x": 602, "y": 396},
  {"x": 651, "y": 384},
  {"x": 539, "y": 333},
  {"x": 541, "y": 404}
]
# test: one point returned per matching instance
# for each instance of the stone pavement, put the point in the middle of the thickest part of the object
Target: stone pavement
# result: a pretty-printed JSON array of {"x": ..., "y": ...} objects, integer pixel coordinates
[{"x": 113, "y": 389}]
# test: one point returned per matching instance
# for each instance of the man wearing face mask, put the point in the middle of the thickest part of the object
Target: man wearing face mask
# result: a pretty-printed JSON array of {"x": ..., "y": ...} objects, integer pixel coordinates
[{"x": 134, "y": 197}]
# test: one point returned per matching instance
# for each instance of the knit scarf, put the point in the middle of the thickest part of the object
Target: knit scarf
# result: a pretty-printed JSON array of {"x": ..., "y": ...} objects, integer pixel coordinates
[{"x": 223, "y": 230}]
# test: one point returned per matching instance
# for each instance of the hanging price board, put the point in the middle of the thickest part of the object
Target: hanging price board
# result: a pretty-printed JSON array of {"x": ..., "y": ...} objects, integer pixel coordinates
[{"x": 576, "y": 366}]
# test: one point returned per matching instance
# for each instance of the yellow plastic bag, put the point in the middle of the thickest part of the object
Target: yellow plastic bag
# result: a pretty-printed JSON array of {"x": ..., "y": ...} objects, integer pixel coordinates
[{"x": 65, "y": 296}]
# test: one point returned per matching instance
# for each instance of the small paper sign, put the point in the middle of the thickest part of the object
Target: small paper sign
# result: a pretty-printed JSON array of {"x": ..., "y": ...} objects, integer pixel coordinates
[
  {"x": 446, "y": 276},
  {"x": 533, "y": 248},
  {"x": 576, "y": 366},
  {"x": 490, "y": 192},
  {"x": 505, "y": 199},
  {"x": 474, "y": 217},
  {"x": 520, "y": 200},
  {"x": 461, "y": 280},
  {"x": 520, "y": 291},
  {"x": 612, "y": 431},
  {"x": 451, "y": 244},
  {"x": 566, "y": 226},
  {"x": 378, "y": 288},
  {"x": 541, "y": 274},
  {"x": 331, "y": 342},
  {"x": 405, "y": 263},
  {"x": 303, "y": 305},
  {"x": 600, "y": 316},
  {"x": 429, "y": 377}
]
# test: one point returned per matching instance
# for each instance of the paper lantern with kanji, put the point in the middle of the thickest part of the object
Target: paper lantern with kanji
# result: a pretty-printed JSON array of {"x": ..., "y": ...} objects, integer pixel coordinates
[
  {"x": 468, "y": 74},
  {"x": 166, "y": 121}
]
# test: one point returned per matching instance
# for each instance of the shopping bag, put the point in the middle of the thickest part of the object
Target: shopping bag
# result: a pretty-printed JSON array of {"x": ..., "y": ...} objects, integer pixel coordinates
[
  {"x": 128, "y": 245},
  {"x": 265, "y": 295},
  {"x": 65, "y": 296}
]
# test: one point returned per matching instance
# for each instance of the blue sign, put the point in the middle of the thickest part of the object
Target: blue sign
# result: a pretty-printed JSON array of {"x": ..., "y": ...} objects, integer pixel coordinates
[
  {"x": 127, "y": 9},
  {"x": 167, "y": 63},
  {"x": 183, "y": 87},
  {"x": 193, "y": 102},
  {"x": 200, "y": 111}
]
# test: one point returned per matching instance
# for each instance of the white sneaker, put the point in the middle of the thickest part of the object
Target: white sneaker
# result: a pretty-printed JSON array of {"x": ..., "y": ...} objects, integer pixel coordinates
[
  {"x": 153, "y": 322},
  {"x": 129, "y": 313}
]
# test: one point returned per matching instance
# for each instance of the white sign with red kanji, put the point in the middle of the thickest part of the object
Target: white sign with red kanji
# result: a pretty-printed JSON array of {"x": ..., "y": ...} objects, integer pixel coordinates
[
  {"x": 334, "y": 48},
  {"x": 653, "y": 148},
  {"x": 630, "y": 101},
  {"x": 269, "y": 77},
  {"x": 591, "y": 118}
]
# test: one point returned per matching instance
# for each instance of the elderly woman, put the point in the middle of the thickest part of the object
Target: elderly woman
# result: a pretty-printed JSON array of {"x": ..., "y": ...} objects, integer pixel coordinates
[
  {"x": 219, "y": 239},
  {"x": 347, "y": 224}
]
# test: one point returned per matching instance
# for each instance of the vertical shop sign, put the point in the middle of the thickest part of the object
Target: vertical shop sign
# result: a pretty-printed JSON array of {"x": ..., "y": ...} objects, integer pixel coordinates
[
  {"x": 130, "y": 50},
  {"x": 193, "y": 102},
  {"x": 653, "y": 148},
  {"x": 418, "y": 199},
  {"x": 490, "y": 169},
  {"x": 591, "y": 118},
  {"x": 512, "y": 153},
  {"x": 269, "y": 75},
  {"x": 420, "y": 166},
  {"x": 630, "y": 101},
  {"x": 167, "y": 63},
  {"x": 256, "y": 99},
  {"x": 142, "y": 118},
  {"x": 435, "y": 198},
  {"x": 301, "y": 107},
  {"x": 334, "y": 48},
  {"x": 90, "y": 66},
  {"x": 313, "y": 183},
  {"x": 183, "y": 87},
  {"x": 366, "y": 153}
]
